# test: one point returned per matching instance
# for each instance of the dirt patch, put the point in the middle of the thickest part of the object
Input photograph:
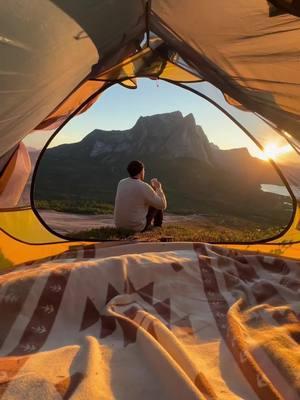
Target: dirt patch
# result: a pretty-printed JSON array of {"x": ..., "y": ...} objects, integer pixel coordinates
[{"x": 65, "y": 223}]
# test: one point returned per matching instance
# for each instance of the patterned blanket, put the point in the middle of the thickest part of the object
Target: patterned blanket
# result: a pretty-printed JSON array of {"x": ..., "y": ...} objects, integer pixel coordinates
[{"x": 192, "y": 322}]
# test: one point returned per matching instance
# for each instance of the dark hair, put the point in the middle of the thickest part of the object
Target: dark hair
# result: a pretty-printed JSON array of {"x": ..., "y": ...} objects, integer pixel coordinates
[{"x": 134, "y": 168}]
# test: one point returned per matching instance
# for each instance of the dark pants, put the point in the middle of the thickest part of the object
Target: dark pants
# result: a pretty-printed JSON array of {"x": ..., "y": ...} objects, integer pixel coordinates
[{"x": 154, "y": 215}]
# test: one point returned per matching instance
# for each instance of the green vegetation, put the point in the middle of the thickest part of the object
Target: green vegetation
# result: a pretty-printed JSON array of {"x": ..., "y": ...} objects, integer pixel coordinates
[
  {"x": 206, "y": 190},
  {"x": 75, "y": 206},
  {"x": 236, "y": 231},
  {"x": 208, "y": 228},
  {"x": 105, "y": 233}
]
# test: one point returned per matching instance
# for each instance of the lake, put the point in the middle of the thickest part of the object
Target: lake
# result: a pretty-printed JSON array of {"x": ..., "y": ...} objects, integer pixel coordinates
[{"x": 277, "y": 189}]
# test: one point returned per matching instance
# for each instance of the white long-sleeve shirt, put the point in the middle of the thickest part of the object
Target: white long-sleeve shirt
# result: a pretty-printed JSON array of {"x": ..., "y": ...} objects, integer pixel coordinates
[{"x": 132, "y": 201}]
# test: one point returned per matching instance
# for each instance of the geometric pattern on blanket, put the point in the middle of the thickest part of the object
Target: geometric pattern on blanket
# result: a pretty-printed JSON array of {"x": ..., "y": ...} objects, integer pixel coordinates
[{"x": 201, "y": 323}]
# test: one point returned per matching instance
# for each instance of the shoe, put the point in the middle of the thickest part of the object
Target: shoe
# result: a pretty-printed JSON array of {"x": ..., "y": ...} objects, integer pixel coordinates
[{"x": 148, "y": 228}]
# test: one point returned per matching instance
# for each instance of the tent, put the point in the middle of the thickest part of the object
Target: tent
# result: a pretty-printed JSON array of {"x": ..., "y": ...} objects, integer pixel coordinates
[{"x": 57, "y": 57}]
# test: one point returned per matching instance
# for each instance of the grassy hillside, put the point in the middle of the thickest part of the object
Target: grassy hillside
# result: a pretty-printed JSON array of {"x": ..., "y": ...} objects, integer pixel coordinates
[
  {"x": 216, "y": 230},
  {"x": 75, "y": 206},
  {"x": 190, "y": 186}
]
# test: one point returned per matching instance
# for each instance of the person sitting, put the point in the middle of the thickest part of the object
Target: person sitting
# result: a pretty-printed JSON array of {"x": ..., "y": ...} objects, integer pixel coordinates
[{"x": 137, "y": 203}]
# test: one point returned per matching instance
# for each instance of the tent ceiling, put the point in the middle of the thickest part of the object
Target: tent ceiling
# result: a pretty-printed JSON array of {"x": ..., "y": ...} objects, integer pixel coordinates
[
  {"x": 239, "y": 48},
  {"x": 48, "y": 48}
]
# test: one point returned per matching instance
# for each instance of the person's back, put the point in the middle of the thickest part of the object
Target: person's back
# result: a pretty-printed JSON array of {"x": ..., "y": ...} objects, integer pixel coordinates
[{"x": 133, "y": 199}]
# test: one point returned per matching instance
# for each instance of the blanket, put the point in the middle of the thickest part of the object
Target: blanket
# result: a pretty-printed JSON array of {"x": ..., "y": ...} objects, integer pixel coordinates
[{"x": 193, "y": 322}]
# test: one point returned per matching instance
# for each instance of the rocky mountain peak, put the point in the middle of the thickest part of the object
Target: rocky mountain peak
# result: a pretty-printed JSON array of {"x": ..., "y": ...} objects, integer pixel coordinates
[
  {"x": 169, "y": 135},
  {"x": 157, "y": 121},
  {"x": 190, "y": 119},
  {"x": 165, "y": 136}
]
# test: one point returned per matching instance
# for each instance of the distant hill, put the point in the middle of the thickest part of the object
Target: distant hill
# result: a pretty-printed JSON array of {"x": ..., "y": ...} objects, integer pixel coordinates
[{"x": 196, "y": 174}]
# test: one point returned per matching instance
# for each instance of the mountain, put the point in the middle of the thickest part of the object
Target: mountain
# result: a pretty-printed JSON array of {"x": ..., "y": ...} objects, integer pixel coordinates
[
  {"x": 196, "y": 174},
  {"x": 168, "y": 136}
]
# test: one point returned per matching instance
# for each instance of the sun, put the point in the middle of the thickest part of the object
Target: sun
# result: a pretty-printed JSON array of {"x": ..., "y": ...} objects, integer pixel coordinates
[{"x": 272, "y": 151}]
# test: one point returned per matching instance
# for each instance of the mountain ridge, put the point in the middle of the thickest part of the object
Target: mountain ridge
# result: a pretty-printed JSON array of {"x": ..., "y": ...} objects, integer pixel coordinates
[
  {"x": 185, "y": 139},
  {"x": 197, "y": 175}
]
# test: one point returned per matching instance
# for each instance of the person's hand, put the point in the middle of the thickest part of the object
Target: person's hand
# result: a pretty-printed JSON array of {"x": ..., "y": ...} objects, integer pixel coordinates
[{"x": 155, "y": 184}]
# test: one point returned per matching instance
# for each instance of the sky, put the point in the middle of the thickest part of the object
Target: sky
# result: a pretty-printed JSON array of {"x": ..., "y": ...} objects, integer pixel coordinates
[{"x": 119, "y": 108}]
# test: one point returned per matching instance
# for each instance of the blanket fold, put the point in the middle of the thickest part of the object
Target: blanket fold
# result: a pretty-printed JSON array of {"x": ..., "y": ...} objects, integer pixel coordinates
[{"x": 184, "y": 323}]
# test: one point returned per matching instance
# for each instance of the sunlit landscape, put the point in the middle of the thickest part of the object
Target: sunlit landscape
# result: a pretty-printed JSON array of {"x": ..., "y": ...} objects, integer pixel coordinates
[{"x": 217, "y": 190}]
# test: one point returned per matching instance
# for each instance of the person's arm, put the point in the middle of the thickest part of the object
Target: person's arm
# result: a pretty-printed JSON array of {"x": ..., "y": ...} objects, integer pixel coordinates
[{"x": 156, "y": 199}]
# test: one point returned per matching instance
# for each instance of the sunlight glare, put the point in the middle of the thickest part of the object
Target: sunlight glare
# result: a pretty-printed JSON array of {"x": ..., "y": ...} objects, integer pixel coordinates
[{"x": 273, "y": 151}]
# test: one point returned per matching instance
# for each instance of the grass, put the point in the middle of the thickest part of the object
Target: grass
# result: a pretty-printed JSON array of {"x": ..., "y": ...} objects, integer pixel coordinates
[
  {"x": 90, "y": 207},
  {"x": 211, "y": 228},
  {"x": 185, "y": 233}
]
